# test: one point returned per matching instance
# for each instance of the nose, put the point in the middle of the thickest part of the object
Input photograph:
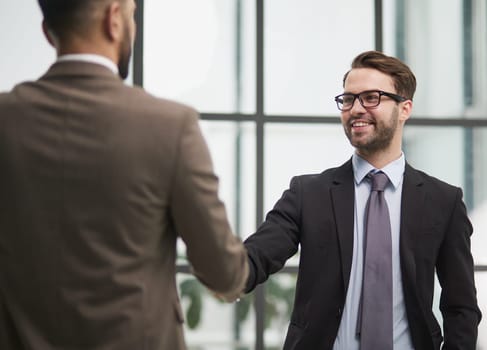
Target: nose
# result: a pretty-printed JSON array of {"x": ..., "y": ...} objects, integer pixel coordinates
[{"x": 357, "y": 107}]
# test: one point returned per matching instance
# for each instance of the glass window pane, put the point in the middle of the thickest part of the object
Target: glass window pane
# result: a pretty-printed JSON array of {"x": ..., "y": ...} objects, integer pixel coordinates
[
  {"x": 478, "y": 52},
  {"x": 457, "y": 156},
  {"x": 437, "y": 151},
  {"x": 443, "y": 41},
  {"x": 478, "y": 214},
  {"x": 437, "y": 64},
  {"x": 295, "y": 149},
  {"x": 481, "y": 284},
  {"x": 26, "y": 54},
  {"x": 23, "y": 16},
  {"x": 214, "y": 325},
  {"x": 194, "y": 52},
  {"x": 232, "y": 148},
  {"x": 309, "y": 45},
  {"x": 279, "y": 301}
]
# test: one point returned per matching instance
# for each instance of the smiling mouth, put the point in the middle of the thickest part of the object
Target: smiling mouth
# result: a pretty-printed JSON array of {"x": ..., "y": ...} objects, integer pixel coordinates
[{"x": 359, "y": 123}]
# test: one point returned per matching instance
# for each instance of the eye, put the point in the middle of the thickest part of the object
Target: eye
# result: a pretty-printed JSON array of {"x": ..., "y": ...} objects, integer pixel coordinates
[
  {"x": 348, "y": 99},
  {"x": 370, "y": 97}
]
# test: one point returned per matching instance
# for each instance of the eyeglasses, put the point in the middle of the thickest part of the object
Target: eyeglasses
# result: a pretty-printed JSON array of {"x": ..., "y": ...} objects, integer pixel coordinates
[{"x": 368, "y": 99}]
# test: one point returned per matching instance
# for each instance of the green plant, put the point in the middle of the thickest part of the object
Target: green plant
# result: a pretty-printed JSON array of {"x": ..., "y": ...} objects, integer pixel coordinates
[
  {"x": 278, "y": 302},
  {"x": 192, "y": 290}
]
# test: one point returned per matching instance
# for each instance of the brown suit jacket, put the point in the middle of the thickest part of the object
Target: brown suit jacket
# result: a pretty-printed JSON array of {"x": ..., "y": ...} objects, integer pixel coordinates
[{"x": 97, "y": 181}]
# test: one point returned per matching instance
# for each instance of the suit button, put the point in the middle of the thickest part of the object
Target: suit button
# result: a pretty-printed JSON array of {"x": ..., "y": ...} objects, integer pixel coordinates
[{"x": 339, "y": 312}]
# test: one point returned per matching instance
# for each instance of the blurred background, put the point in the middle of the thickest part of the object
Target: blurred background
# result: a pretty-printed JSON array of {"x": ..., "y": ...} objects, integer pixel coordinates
[{"x": 263, "y": 74}]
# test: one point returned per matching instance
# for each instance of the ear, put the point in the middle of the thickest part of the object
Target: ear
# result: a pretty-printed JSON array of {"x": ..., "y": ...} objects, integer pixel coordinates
[
  {"x": 48, "y": 34},
  {"x": 113, "y": 21},
  {"x": 406, "y": 109}
]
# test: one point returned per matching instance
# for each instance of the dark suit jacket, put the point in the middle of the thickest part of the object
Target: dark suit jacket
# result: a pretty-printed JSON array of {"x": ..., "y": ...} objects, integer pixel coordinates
[
  {"x": 97, "y": 181},
  {"x": 316, "y": 214}
]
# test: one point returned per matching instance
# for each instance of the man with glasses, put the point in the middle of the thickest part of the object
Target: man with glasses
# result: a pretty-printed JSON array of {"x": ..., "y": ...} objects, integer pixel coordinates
[{"x": 372, "y": 234}]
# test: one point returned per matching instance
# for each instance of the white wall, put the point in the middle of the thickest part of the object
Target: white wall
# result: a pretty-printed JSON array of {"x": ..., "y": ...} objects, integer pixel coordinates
[{"x": 24, "y": 52}]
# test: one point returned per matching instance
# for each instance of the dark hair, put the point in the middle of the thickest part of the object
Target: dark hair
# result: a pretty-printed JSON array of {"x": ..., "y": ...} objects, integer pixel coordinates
[
  {"x": 63, "y": 17},
  {"x": 403, "y": 77}
]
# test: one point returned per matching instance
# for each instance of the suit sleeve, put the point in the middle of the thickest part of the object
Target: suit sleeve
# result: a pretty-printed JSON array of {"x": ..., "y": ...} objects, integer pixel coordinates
[
  {"x": 458, "y": 302},
  {"x": 218, "y": 257},
  {"x": 276, "y": 240}
]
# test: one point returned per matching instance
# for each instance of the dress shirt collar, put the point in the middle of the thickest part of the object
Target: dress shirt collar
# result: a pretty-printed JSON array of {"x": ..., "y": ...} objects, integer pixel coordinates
[
  {"x": 394, "y": 170},
  {"x": 92, "y": 58}
]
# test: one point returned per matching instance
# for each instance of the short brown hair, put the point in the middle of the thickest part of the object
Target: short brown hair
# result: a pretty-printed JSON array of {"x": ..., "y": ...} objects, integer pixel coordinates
[{"x": 403, "y": 77}]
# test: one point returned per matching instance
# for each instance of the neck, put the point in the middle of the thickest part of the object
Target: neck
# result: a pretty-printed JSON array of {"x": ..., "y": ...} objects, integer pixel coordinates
[
  {"x": 82, "y": 46},
  {"x": 379, "y": 159}
]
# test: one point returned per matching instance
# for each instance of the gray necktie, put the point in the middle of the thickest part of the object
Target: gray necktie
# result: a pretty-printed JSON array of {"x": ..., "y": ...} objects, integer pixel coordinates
[{"x": 376, "y": 308}]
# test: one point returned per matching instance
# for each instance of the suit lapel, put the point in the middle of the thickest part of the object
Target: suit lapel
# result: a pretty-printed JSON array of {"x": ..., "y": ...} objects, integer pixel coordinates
[
  {"x": 343, "y": 201},
  {"x": 412, "y": 209}
]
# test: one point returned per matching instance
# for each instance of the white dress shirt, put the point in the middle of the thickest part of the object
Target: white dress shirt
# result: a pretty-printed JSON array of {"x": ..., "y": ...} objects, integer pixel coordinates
[
  {"x": 347, "y": 334},
  {"x": 91, "y": 58}
]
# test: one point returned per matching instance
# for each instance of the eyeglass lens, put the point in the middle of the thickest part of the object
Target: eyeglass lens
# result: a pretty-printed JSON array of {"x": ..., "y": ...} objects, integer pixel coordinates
[{"x": 367, "y": 99}]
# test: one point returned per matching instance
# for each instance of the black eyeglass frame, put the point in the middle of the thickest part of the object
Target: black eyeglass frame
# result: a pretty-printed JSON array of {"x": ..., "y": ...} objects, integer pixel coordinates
[{"x": 395, "y": 97}]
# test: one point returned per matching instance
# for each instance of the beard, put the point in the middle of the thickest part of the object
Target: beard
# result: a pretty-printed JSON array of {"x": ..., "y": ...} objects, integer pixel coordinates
[
  {"x": 125, "y": 53},
  {"x": 380, "y": 139}
]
